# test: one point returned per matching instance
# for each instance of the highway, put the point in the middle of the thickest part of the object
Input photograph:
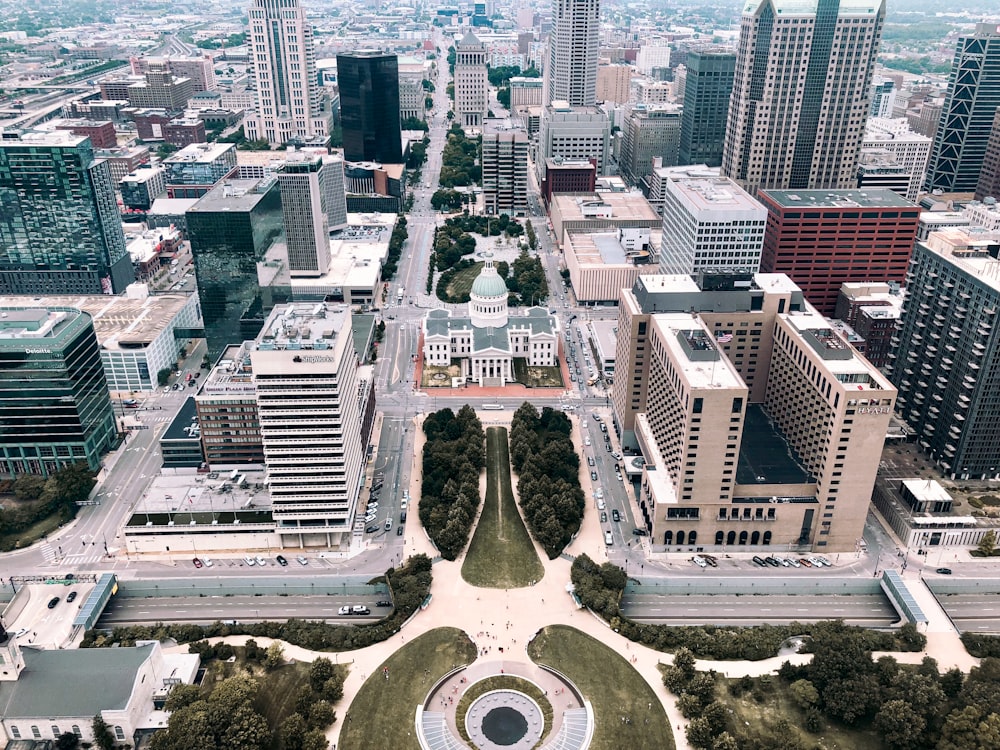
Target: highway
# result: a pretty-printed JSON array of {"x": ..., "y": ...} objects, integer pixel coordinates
[
  {"x": 208, "y": 609},
  {"x": 976, "y": 613}
]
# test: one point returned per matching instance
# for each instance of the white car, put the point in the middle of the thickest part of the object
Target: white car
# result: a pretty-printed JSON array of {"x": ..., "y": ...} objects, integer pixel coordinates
[
  {"x": 586, "y": 441},
  {"x": 301, "y": 560},
  {"x": 699, "y": 561},
  {"x": 793, "y": 562},
  {"x": 345, "y": 610},
  {"x": 249, "y": 561},
  {"x": 260, "y": 561},
  {"x": 616, "y": 456},
  {"x": 206, "y": 562},
  {"x": 404, "y": 502}
]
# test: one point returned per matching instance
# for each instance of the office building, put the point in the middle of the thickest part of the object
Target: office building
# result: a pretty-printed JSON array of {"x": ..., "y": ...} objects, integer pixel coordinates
[
  {"x": 471, "y": 84},
  {"x": 412, "y": 73},
  {"x": 61, "y": 229},
  {"x": 161, "y": 89},
  {"x": 652, "y": 132},
  {"x": 308, "y": 204},
  {"x": 909, "y": 151},
  {"x": 226, "y": 405},
  {"x": 823, "y": 238},
  {"x": 184, "y": 131},
  {"x": 652, "y": 57},
  {"x": 54, "y": 401},
  {"x": 989, "y": 179},
  {"x": 525, "y": 92},
  {"x": 872, "y": 310},
  {"x": 655, "y": 92},
  {"x": 574, "y": 133},
  {"x": 100, "y": 132},
  {"x": 289, "y": 103},
  {"x": 561, "y": 176},
  {"x": 970, "y": 106},
  {"x": 231, "y": 229},
  {"x": 504, "y": 168},
  {"x": 708, "y": 86},
  {"x": 800, "y": 93},
  {"x": 602, "y": 212},
  {"x": 883, "y": 97},
  {"x": 196, "y": 169},
  {"x": 601, "y": 264},
  {"x": 709, "y": 223},
  {"x": 124, "y": 159},
  {"x": 140, "y": 188},
  {"x": 200, "y": 69},
  {"x": 315, "y": 406},
  {"x": 758, "y": 426},
  {"x": 369, "y": 106},
  {"x": 614, "y": 83},
  {"x": 571, "y": 71},
  {"x": 945, "y": 365}
]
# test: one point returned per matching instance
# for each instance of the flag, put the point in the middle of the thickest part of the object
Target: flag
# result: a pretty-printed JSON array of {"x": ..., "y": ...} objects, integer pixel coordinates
[{"x": 723, "y": 338}]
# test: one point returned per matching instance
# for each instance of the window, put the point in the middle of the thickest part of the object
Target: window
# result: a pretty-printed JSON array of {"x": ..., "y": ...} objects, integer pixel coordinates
[
  {"x": 35, "y": 733},
  {"x": 15, "y": 732},
  {"x": 119, "y": 733}
]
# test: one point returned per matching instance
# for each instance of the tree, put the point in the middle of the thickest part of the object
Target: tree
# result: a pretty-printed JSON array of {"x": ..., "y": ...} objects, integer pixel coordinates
[
  {"x": 315, "y": 740},
  {"x": 804, "y": 693},
  {"x": 274, "y": 657},
  {"x": 851, "y": 699},
  {"x": 29, "y": 487},
  {"x": 70, "y": 485},
  {"x": 292, "y": 732},
  {"x": 247, "y": 730},
  {"x": 321, "y": 715},
  {"x": 102, "y": 733},
  {"x": 320, "y": 671},
  {"x": 899, "y": 724},
  {"x": 700, "y": 734},
  {"x": 67, "y": 741},
  {"x": 970, "y": 728},
  {"x": 163, "y": 376},
  {"x": 987, "y": 547},
  {"x": 181, "y": 696}
]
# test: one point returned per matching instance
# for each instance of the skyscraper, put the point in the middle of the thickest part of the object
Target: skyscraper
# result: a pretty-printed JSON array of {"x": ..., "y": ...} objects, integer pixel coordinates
[
  {"x": 571, "y": 72},
  {"x": 471, "y": 84},
  {"x": 800, "y": 93},
  {"x": 989, "y": 179},
  {"x": 967, "y": 117},
  {"x": 707, "y": 88},
  {"x": 290, "y": 105},
  {"x": 309, "y": 207},
  {"x": 369, "y": 106},
  {"x": 505, "y": 168},
  {"x": 60, "y": 230}
]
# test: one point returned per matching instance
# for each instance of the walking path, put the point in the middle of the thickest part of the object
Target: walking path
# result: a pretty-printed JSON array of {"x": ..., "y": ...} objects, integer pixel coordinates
[{"x": 502, "y": 622}]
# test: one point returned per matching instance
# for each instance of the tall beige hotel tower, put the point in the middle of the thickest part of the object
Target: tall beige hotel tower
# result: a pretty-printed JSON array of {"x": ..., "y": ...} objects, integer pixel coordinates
[{"x": 800, "y": 94}]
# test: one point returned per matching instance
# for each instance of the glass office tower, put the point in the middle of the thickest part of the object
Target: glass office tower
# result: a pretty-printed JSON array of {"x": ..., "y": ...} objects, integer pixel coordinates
[{"x": 369, "y": 106}]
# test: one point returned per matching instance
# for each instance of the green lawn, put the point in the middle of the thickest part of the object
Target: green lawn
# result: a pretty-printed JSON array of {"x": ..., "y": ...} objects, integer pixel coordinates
[
  {"x": 28, "y": 536},
  {"x": 461, "y": 285},
  {"x": 501, "y": 555},
  {"x": 382, "y": 713},
  {"x": 612, "y": 686}
]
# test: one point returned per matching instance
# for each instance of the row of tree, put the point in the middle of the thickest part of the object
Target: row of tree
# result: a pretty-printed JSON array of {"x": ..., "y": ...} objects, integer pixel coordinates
[
  {"x": 409, "y": 585},
  {"x": 459, "y": 159},
  {"x": 396, "y": 240},
  {"x": 600, "y": 588},
  {"x": 548, "y": 484},
  {"x": 40, "y": 497},
  {"x": 454, "y": 456}
]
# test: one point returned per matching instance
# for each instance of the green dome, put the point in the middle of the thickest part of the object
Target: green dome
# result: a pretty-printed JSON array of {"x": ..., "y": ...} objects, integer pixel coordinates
[{"x": 489, "y": 284}]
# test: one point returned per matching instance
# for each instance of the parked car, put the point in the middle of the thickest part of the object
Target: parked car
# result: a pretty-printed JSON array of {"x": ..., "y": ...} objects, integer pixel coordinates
[
  {"x": 805, "y": 561},
  {"x": 399, "y": 531},
  {"x": 823, "y": 560},
  {"x": 759, "y": 561},
  {"x": 711, "y": 561},
  {"x": 793, "y": 562},
  {"x": 281, "y": 560},
  {"x": 615, "y": 515},
  {"x": 301, "y": 560},
  {"x": 639, "y": 532},
  {"x": 249, "y": 561},
  {"x": 593, "y": 476},
  {"x": 772, "y": 561},
  {"x": 616, "y": 456},
  {"x": 260, "y": 561},
  {"x": 207, "y": 562},
  {"x": 197, "y": 563},
  {"x": 591, "y": 461},
  {"x": 699, "y": 561},
  {"x": 604, "y": 517}
]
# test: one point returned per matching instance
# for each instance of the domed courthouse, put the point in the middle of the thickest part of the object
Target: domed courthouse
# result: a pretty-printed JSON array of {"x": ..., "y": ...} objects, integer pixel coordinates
[{"x": 486, "y": 343}]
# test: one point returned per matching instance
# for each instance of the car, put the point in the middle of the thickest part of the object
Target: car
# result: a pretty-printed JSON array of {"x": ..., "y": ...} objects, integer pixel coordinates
[
  {"x": 260, "y": 561},
  {"x": 383, "y": 603},
  {"x": 620, "y": 477},
  {"x": 586, "y": 441},
  {"x": 639, "y": 532},
  {"x": 20, "y": 632},
  {"x": 604, "y": 516},
  {"x": 615, "y": 515},
  {"x": 175, "y": 387},
  {"x": 301, "y": 560},
  {"x": 593, "y": 476},
  {"x": 71, "y": 596},
  {"x": 249, "y": 561},
  {"x": 608, "y": 539},
  {"x": 773, "y": 562},
  {"x": 816, "y": 562},
  {"x": 599, "y": 494},
  {"x": 604, "y": 427},
  {"x": 711, "y": 560},
  {"x": 345, "y": 610},
  {"x": 759, "y": 561},
  {"x": 823, "y": 560},
  {"x": 404, "y": 502},
  {"x": 699, "y": 561},
  {"x": 793, "y": 562},
  {"x": 388, "y": 524},
  {"x": 608, "y": 446},
  {"x": 198, "y": 563},
  {"x": 360, "y": 609},
  {"x": 371, "y": 529},
  {"x": 805, "y": 561},
  {"x": 166, "y": 389},
  {"x": 616, "y": 456},
  {"x": 944, "y": 571},
  {"x": 784, "y": 561},
  {"x": 281, "y": 560},
  {"x": 591, "y": 461},
  {"x": 206, "y": 562},
  {"x": 399, "y": 531},
  {"x": 53, "y": 602}
]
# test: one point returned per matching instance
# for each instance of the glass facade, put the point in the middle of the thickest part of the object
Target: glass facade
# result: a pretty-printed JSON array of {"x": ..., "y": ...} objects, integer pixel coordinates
[
  {"x": 230, "y": 229},
  {"x": 55, "y": 409},
  {"x": 60, "y": 229},
  {"x": 707, "y": 88},
  {"x": 369, "y": 107}
]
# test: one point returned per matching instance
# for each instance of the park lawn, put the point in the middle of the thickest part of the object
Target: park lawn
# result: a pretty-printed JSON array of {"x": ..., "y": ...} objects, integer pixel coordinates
[
  {"x": 31, "y": 534},
  {"x": 760, "y": 718},
  {"x": 501, "y": 555},
  {"x": 612, "y": 686},
  {"x": 461, "y": 284},
  {"x": 382, "y": 713}
]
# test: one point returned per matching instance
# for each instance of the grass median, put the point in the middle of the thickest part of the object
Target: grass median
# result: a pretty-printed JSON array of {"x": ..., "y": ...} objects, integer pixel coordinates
[
  {"x": 501, "y": 555},
  {"x": 382, "y": 713},
  {"x": 627, "y": 712}
]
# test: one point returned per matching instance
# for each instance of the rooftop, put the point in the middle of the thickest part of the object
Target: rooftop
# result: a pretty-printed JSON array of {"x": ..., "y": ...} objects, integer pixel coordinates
[
  {"x": 65, "y": 138},
  {"x": 630, "y": 205},
  {"x": 233, "y": 195},
  {"x": 974, "y": 251},
  {"x": 705, "y": 194},
  {"x": 765, "y": 455},
  {"x": 199, "y": 152},
  {"x": 869, "y": 198},
  {"x": 695, "y": 353}
]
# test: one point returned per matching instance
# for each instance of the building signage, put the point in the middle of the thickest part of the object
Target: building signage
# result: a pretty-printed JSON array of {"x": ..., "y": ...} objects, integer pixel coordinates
[
  {"x": 38, "y": 351},
  {"x": 874, "y": 410}
]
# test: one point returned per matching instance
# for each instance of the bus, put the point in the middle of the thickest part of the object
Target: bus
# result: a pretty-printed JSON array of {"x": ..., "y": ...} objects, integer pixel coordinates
[
  {"x": 493, "y": 407},
  {"x": 399, "y": 296}
]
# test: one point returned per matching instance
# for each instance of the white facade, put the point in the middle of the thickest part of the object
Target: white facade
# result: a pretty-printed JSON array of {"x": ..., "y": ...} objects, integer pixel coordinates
[
  {"x": 574, "y": 134},
  {"x": 651, "y": 56},
  {"x": 910, "y": 150},
  {"x": 411, "y": 88},
  {"x": 471, "y": 84},
  {"x": 310, "y": 403},
  {"x": 289, "y": 103},
  {"x": 709, "y": 223},
  {"x": 313, "y": 202},
  {"x": 574, "y": 43}
]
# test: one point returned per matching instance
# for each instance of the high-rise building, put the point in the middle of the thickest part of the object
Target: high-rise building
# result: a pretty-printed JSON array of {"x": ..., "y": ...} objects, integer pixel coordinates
[
  {"x": 54, "y": 401},
  {"x": 708, "y": 86},
  {"x": 652, "y": 132},
  {"x": 989, "y": 178},
  {"x": 574, "y": 133},
  {"x": 614, "y": 83},
  {"x": 709, "y": 223},
  {"x": 505, "y": 168},
  {"x": 369, "y": 106},
  {"x": 823, "y": 238},
  {"x": 574, "y": 44},
  {"x": 315, "y": 407},
  {"x": 231, "y": 229},
  {"x": 471, "y": 84},
  {"x": 197, "y": 168},
  {"x": 800, "y": 93},
  {"x": 967, "y": 116},
  {"x": 883, "y": 97},
  {"x": 289, "y": 102},
  {"x": 140, "y": 188},
  {"x": 758, "y": 425},
  {"x": 306, "y": 195},
  {"x": 946, "y": 361},
  {"x": 61, "y": 231},
  {"x": 199, "y": 68},
  {"x": 651, "y": 57},
  {"x": 411, "y": 88},
  {"x": 525, "y": 92},
  {"x": 909, "y": 150}
]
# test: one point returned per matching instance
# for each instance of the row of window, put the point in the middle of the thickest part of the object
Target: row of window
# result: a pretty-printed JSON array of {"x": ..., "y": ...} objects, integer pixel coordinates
[{"x": 36, "y": 733}]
